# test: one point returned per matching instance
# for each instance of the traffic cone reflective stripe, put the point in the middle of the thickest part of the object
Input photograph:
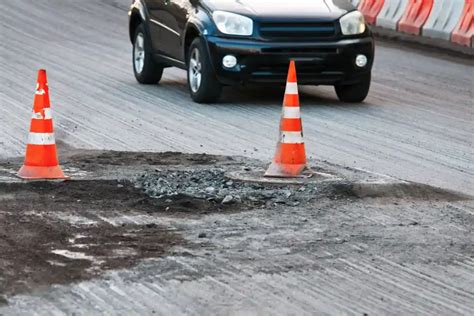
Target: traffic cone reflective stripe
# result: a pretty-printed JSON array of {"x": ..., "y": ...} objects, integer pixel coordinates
[
  {"x": 291, "y": 93},
  {"x": 41, "y": 159},
  {"x": 290, "y": 156}
]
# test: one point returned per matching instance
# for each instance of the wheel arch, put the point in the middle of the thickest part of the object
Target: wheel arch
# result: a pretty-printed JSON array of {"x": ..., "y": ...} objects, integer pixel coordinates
[
  {"x": 192, "y": 32},
  {"x": 198, "y": 25},
  {"x": 135, "y": 21},
  {"x": 137, "y": 16}
]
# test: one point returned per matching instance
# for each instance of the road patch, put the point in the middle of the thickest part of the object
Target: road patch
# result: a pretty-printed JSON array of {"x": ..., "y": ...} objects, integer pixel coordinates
[{"x": 125, "y": 207}]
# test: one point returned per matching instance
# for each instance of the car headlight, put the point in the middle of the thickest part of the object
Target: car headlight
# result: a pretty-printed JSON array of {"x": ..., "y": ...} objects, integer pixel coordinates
[
  {"x": 233, "y": 24},
  {"x": 352, "y": 23}
]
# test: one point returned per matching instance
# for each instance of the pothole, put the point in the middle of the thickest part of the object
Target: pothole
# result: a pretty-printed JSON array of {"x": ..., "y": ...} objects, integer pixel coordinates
[
  {"x": 63, "y": 232},
  {"x": 216, "y": 186}
]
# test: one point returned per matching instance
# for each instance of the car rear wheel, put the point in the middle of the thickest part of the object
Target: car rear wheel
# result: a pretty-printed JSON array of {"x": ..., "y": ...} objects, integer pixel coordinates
[
  {"x": 202, "y": 81},
  {"x": 355, "y": 92},
  {"x": 145, "y": 68}
]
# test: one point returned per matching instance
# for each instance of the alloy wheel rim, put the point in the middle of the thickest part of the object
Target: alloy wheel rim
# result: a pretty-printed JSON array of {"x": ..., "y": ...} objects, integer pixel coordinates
[
  {"x": 139, "y": 53},
  {"x": 195, "y": 66}
]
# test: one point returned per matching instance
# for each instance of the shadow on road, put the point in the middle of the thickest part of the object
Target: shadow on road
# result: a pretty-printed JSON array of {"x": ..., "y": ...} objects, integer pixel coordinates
[{"x": 310, "y": 96}]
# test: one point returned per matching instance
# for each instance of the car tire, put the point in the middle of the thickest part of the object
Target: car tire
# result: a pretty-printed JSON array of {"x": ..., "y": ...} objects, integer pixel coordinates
[
  {"x": 145, "y": 68},
  {"x": 202, "y": 81},
  {"x": 355, "y": 92}
]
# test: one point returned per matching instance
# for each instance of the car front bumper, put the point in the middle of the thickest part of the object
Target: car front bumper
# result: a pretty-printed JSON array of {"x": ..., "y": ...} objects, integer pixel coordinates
[{"x": 318, "y": 63}]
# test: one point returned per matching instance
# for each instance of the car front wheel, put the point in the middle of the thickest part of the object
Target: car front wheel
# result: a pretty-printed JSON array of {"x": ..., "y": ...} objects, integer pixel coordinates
[
  {"x": 355, "y": 92},
  {"x": 202, "y": 81},
  {"x": 145, "y": 68}
]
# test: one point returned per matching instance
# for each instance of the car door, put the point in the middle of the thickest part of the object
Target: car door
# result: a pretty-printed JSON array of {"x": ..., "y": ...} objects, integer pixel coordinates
[
  {"x": 168, "y": 20},
  {"x": 155, "y": 9},
  {"x": 179, "y": 10}
]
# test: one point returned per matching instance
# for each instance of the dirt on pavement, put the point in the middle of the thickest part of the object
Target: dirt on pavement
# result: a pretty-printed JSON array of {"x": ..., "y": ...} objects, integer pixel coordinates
[
  {"x": 67, "y": 231},
  {"x": 39, "y": 248},
  {"x": 46, "y": 236}
]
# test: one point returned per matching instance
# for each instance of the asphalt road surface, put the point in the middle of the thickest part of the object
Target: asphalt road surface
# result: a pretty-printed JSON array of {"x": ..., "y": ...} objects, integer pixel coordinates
[
  {"x": 94, "y": 247},
  {"x": 416, "y": 124}
]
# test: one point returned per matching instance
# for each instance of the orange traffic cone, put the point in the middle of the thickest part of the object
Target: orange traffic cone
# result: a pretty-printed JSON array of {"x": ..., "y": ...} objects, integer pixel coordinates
[
  {"x": 41, "y": 161},
  {"x": 290, "y": 157}
]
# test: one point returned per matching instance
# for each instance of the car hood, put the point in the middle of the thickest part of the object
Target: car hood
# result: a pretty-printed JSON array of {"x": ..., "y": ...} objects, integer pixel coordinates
[{"x": 278, "y": 9}]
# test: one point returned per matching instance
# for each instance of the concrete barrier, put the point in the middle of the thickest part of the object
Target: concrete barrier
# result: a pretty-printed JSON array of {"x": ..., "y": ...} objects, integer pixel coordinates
[
  {"x": 444, "y": 17},
  {"x": 450, "y": 20},
  {"x": 371, "y": 9},
  {"x": 464, "y": 32},
  {"x": 415, "y": 16},
  {"x": 392, "y": 11},
  {"x": 355, "y": 2}
]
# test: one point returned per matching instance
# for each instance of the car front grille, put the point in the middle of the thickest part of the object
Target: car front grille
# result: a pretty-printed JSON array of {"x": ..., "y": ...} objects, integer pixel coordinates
[
  {"x": 308, "y": 72},
  {"x": 283, "y": 70},
  {"x": 297, "y": 31},
  {"x": 300, "y": 50}
]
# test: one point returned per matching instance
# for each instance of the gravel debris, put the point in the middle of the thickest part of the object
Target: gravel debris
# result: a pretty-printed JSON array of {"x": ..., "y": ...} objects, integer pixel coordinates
[
  {"x": 228, "y": 199},
  {"x": 213, "y": 185}
]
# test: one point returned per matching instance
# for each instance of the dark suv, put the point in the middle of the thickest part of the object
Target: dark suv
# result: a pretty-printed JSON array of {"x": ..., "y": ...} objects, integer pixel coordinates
[{"x": 229, "y": 42}]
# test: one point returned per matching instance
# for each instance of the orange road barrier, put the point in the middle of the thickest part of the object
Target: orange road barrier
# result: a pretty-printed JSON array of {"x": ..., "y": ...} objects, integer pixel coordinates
[
  {"x": 371, "y": 9},
  {"x": 290, "y": 157},
  {"x": 464, "y": 32},
  {"x": 415, "y": 16},
  {"x": 41, "y": 160}
]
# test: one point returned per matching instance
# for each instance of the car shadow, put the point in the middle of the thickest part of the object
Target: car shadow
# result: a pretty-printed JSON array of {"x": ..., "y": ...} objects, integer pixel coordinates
[{"x": 268, "y": 95}]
